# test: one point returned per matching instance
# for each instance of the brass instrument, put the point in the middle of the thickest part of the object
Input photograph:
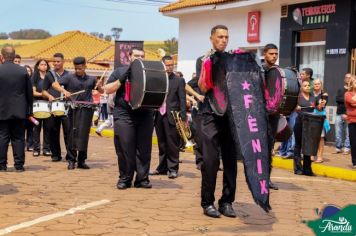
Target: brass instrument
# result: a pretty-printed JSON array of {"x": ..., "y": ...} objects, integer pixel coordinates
[{"x": 183, "y": 130}]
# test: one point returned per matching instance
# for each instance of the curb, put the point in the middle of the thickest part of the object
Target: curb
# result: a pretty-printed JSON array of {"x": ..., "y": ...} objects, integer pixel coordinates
[{"x": 318, "y": 169}]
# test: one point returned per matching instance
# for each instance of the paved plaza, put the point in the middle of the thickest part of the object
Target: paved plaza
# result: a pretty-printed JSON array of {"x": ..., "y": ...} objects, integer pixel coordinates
[{"x": 47, "y": 199}]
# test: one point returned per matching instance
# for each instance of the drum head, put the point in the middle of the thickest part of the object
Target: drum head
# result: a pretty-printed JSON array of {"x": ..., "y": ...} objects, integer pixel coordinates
[
  {"x": 274, "y": 89},
  {"x": 148, "y": 84}
]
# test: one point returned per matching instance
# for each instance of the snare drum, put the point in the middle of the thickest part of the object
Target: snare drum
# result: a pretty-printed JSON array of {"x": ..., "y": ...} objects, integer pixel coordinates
[
  {"x": 148, "y": 84},
  {"x": 281, "y": 90},
  {"x": 41, "y": 109},
  {"x": 59, "y": 108}
]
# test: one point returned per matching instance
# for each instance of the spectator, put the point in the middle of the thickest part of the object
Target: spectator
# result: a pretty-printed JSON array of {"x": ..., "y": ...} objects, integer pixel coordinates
[
  {"x": 17, "y": 59},
  {"x": 307, "y": 74},
  {"x": 320, "y": 103},
  {"x": 341, "y": 129},
  {"x": 350, "y": 104}
]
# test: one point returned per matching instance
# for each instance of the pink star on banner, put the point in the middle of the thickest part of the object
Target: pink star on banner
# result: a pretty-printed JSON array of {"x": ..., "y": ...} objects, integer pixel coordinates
[{"x": 246, "y": 85}]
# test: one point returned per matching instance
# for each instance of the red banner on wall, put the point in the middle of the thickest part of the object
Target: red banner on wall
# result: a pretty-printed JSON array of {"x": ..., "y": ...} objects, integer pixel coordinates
[{"x": 253, "y": 27}]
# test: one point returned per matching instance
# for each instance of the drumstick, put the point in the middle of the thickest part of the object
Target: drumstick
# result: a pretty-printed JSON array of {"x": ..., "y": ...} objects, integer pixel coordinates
[
  {"x": 76, "y": 93},
  {"x": 101, "y": 78}
]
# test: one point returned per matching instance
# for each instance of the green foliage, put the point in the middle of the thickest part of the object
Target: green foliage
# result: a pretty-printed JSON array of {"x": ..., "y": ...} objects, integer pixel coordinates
[
  {"x": 30, "y": 34},
  {"x": 171, "y": 46},
  {"x": 107, "y": 38}
]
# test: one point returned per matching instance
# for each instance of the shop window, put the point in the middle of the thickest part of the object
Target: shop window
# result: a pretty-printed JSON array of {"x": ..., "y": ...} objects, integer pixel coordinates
[{"x": 310, "y": 48}]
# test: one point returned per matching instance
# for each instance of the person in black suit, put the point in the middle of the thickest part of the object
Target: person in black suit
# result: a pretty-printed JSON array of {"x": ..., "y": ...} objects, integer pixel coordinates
[
  {"x": 168, "y": 137},
  {"x": 132, "y": 130},
  {"x": 15, "y": 106}
]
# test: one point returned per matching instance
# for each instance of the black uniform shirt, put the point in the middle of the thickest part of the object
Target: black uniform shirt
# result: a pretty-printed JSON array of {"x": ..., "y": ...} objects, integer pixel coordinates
[
  {"x": 72, "y": 83},
  {"x": 49, "y": 80},
  {"x": 38, "y": 84}
]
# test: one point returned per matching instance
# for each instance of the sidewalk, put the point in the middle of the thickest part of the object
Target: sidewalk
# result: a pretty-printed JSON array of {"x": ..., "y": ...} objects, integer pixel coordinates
[{"x": 336, "y": 166}]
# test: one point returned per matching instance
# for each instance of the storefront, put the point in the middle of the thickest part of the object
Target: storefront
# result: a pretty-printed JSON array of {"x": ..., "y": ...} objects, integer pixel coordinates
[{"x": 320, "y": 35}]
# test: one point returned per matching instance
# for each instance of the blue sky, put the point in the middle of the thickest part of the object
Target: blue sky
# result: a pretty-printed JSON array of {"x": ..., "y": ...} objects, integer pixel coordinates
[{"x": 139, "y": 22}]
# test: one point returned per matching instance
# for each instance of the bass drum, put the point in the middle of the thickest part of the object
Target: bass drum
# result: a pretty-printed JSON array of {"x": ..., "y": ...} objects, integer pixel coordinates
[
  {"x": 281, "y": 90},
  {"x": 148, "y": 84}
]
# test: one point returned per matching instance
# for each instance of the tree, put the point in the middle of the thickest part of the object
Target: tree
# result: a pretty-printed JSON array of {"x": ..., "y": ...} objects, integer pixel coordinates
[
  {"x": 30, "y": 34},
  {"x": 116, "y": 32},
  {"x": 108, "y": 38},
  {"x": 171, "y": 46},
  {"x": 101, "y": 36},
  {"x": 4, "y": 35},
  {"x": 95, "y": 34}
]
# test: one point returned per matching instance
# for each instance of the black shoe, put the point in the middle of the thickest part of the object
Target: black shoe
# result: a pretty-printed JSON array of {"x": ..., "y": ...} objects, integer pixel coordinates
[
  {"x": 36, "y": 153},
  {"x": 3, "y": 168},
  {"x": 56, "y": 159},
  {"x": 308, "y": 173},
  {"x": 211, "y": 211},
  {"x": 272, "y": 185},
  {"x": 298, "y": 172},
  {"x": 144, "y": 184},
  {"x": 29, "y": 149},
  {"x": 156, "y": 172},
  {"x": 227, "y": 210},
  {"x": 122, "y": 185},
  {"x": 82, "y": 165},
  {"x": 19, "y": 169},
  {"x": 47, "y": 153},
  {"x": 71, "y": 165},
  {"x": 172, "y": 175}
]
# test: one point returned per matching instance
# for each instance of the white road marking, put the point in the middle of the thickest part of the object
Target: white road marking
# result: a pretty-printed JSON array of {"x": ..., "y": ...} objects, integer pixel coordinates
[{"x": 52, "y": 216}]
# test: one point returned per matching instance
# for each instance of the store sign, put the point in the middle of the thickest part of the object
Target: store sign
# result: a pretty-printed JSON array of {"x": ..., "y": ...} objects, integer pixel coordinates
[
  {"x": 314, "y": 14},
  {"x": 336, "y": 51},
  {"x": 253, "y": 27}
]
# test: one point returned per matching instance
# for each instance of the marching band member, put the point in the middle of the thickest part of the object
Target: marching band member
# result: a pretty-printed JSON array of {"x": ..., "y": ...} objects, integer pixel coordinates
[
  {"x": 216, "y": 135},
  {"x": 51, "y": 77},
  {"x": 133, "y": 130},
  {"x": 166, "y": 130},
  {"x": 40, "y": 69},
  {"x": 80, "y": 115}
]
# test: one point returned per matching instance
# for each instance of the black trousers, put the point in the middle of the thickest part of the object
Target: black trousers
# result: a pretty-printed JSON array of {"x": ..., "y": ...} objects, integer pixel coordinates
[
  {"x": 352, "y": 135},
  {"x": 168, "y": 144},
  {"x": 55, "y": 131},
  {"x": 195, "y": 128},
  {"x": 133, "y": 144},
  {"x": 298, "y": 134},
  {"x": 46, "y": 125},
  {"x": 79, "y": 120},
  {"x": 13, "y": 130},
  {"x": 272, "y": 132},
  {"x": 215, "y": 136},
  {"x": 29, "y": 134}
]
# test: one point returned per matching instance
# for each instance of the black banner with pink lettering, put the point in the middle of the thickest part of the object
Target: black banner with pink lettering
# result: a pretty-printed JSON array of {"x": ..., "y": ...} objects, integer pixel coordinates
[{"x": 248, "y": 118}]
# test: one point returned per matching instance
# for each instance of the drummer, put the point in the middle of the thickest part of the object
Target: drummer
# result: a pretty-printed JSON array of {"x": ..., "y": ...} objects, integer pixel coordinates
[
  {"x": 132, "y": 130},
  {"x": 270, "y": 53},
  {"x": 80, "y": 114},
  {"x": 52, "y": 76},
  {"x": 40, "y": 69}
]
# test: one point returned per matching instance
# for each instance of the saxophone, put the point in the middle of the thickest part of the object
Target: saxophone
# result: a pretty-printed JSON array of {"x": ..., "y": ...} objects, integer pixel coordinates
[{"x": 183, "y": 130}]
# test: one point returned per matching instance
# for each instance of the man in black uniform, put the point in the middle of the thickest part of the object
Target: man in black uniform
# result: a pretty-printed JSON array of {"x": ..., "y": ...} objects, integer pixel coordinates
[
  {"x": 15, "y": 106},
  {"x": 166, "y": 130},
  {"x": 50, "y": 93},
  {"x": 132, "y": 130},
  {"x": 270, "y": 53},
  {"x": 216, "y": 136},
  {"x": 80, "y": 114}
]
